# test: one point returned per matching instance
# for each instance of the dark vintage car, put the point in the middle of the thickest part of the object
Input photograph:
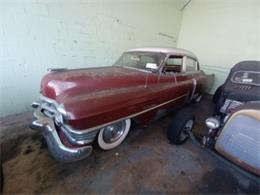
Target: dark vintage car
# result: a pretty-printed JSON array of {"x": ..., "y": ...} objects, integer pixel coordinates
[
  {"x": 234, "y": 130},
  {"x": 80, "y": 106}
]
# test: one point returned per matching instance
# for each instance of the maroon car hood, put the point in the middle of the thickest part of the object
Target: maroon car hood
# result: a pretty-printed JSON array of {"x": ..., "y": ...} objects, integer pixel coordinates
[{"x": 62, "y": 85}]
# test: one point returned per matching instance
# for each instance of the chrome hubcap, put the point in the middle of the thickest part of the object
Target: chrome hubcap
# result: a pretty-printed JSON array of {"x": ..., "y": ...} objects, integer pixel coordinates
[
  {"x": 113, "y": 132},
  {"x": 186, "y": 130}
]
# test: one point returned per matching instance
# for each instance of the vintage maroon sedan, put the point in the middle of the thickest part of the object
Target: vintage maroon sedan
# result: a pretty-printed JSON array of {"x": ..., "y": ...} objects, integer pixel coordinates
[{"x": 82, "y": 105}]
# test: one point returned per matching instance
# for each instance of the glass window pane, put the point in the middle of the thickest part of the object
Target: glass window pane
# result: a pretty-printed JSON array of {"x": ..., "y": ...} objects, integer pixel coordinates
[
  {"x": 174, "y": 61},
  {"x": 191, "y": 65},
  {"x": 173, "y": 64}
]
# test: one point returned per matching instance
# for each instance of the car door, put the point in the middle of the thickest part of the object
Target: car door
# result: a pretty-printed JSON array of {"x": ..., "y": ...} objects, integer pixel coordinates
[
  {"x": 184, "y": 82},
  {"x": 170, "y": 79},
  {"x": 192, "y": 74}
]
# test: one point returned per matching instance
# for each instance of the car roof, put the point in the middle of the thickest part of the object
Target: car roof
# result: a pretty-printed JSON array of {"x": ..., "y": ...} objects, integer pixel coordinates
[
  {"x": 248, "y": 65},
  {"x": 166, "y": 50}
]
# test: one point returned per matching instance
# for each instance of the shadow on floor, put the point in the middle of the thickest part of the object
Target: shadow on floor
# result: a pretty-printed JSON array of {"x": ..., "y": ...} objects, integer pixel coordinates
[{"x": 144, "y": 163}]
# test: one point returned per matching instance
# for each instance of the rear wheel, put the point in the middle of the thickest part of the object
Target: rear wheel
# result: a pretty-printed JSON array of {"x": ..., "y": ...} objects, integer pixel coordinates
[
  {"x": 2, "y": 178},
  {"x": 181, "y": 126},
  {"x": 113, "y": 135}
]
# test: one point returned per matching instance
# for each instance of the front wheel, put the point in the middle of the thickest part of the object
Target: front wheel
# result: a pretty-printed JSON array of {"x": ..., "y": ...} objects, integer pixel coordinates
[
  {"x": 113, "y": 135},
  {"x": 2, "y": 178},
  {"x": 181, "y": 127}
]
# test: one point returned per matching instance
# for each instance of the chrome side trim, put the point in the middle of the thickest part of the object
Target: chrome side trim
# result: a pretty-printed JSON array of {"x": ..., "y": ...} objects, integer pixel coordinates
[
  {"x": 80, "y": 139},
  {"x": 80, "y": 132},
  {"x": 56, "y": 147},
  {"x": 194, "y": 88}
]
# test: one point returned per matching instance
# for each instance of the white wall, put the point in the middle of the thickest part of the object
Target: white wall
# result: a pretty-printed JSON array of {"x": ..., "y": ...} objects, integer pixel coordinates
[
  {"x": 40, "y": 34},
  {"x": 221, "y": 33}
]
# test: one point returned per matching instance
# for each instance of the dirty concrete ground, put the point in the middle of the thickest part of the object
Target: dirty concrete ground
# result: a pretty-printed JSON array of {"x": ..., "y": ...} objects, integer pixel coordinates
[{"x": 144, "y": 163}]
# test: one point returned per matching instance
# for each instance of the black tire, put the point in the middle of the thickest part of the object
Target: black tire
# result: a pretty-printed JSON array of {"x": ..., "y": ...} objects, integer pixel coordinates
[
  {"x": 2, "y": 179},
  {"x": 177, "y": 127},
  {"x": 219, "y": 103},
  {"x": 217, "y": 94}
]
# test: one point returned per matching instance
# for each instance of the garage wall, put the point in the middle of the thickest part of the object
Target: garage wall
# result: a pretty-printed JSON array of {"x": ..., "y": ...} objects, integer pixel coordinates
[
  {"x": 40, "y": 34},
  {"x": 221, "y": 33}
]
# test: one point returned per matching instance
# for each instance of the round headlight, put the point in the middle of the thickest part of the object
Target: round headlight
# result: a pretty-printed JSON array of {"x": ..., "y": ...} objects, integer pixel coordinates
[{"x": 212, "y": 123}]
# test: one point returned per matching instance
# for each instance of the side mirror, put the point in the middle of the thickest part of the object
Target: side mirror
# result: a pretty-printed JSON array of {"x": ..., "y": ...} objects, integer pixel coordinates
[
  {"x": 152, "y": 66},
  {"x": 212, "y": 123}
]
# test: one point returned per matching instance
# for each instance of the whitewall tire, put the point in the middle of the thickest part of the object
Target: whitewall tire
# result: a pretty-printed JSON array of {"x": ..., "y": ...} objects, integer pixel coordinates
[{"x": 113, "y": 135}]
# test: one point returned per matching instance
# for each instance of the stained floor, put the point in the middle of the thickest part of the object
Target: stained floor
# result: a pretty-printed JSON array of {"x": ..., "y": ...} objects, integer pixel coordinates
[{"x": 144, "y": 163}]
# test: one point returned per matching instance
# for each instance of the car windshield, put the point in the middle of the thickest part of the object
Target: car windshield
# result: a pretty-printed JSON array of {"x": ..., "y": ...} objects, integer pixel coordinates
[{"x": 140, "y": 60}]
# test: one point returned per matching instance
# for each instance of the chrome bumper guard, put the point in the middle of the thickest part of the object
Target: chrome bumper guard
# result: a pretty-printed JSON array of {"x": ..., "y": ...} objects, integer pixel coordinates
[
  {"x": 77, "y": 137},
  {"x": 56, "y": 147}
]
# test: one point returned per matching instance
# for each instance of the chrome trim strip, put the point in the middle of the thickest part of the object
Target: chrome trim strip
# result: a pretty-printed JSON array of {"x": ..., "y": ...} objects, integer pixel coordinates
[
  {"x": 80, "y": 132},
  {"x": 77, "y": 141},
  {"x": 194, "y": 88}
]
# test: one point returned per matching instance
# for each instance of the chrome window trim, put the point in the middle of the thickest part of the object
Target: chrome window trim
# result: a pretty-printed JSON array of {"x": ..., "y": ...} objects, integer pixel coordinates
[
  {"x": 184, "y": 65},
  {"x": 190, "y": 71},
  {"x": 164, "y": 62}
]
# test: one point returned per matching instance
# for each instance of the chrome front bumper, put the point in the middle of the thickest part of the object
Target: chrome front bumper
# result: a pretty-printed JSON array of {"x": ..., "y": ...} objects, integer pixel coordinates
[{"x": 55, "y": 145}]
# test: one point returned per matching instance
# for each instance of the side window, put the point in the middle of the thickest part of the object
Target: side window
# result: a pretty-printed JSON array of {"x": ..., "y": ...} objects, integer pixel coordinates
[
  {"x": 191, "y": 65},
  {"x": 173, "y": 64}
]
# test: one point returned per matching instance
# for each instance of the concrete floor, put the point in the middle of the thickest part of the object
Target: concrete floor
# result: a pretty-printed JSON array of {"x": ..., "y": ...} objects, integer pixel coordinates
[{"x": 144, "y": 163}]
